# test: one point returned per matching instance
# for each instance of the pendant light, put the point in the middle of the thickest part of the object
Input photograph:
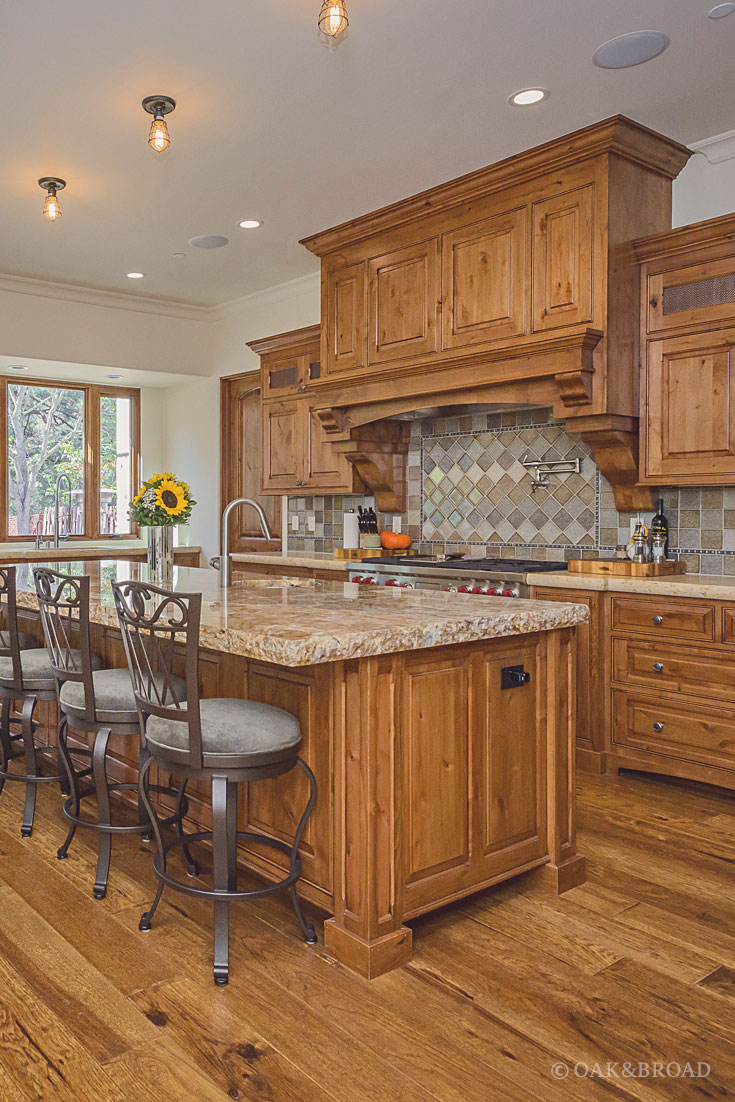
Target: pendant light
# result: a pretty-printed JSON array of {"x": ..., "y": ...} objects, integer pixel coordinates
[
  {"x": 159, "y": 107},
  {"x": 51, "y": 208},
  {"x": 333, "y": 18}
]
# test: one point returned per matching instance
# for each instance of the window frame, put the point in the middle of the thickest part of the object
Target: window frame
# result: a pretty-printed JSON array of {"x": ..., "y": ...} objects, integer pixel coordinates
[{"x": 92, "y": 453}]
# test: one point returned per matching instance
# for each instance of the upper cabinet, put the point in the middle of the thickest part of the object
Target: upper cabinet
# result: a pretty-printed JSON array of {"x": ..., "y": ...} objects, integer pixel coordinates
[
  {"x": 688, "y": 354},
  {"x": 484, "y": 281},
  {"x": 403, "y": 303},
  {"x": 343, "y": 318},
  {"x": 562, "y": 259}
]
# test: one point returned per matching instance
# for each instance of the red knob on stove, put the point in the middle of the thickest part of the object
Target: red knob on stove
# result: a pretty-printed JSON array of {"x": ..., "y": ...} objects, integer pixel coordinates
[
  {"x": 493, "y": 592},
  {"x": 391, "y": 581},
  {"x": 508, "y": 593},
  {"x": 480, "y": 589},
  {"x": 356, "y": 578},
  {"x": 463, "y": 589}
]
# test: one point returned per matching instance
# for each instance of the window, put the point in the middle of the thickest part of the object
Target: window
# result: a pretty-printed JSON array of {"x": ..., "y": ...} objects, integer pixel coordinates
[{"x": 83, "y": 438}]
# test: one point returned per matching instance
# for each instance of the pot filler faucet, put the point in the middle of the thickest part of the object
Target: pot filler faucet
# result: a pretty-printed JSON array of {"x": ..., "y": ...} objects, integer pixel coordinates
[{"x": 225, "y": 565}]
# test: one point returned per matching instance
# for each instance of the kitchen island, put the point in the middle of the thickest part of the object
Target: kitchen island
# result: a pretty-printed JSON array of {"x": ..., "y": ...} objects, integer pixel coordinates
[{"x": 442, "y": 768}]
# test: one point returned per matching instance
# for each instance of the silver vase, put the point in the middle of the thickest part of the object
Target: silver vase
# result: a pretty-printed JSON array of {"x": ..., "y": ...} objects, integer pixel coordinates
[{"x": 160, "y": 552}]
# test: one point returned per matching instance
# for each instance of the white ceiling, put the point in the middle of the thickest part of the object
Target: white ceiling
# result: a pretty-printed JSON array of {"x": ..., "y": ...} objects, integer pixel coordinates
[
  {"x": 86, "y": 373},
  {"x": 272, "y": 125}
]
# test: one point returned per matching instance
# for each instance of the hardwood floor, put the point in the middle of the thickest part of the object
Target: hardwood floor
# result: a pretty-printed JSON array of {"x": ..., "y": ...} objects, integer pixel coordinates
[{"x": 637, "y": 966}]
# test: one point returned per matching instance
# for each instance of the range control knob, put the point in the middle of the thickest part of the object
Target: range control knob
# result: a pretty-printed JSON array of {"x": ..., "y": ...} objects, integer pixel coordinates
[
  {"x": 493, "y": 591},
  {"x": 510, "y": 593},
  {"x": 464, "y": 589}
]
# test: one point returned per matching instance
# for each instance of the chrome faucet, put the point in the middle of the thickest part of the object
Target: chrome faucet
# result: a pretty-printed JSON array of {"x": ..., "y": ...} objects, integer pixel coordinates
[
  {"x": 225, "y": 565},
  {"x": 57, "y": 489}
]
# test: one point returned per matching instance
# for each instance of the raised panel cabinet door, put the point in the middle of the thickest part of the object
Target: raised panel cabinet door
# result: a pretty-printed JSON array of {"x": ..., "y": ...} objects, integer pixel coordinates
[
  {"x": 590, "y": 717},
  {"x": 691, "y": 408},
  {"x": 403, "y": 302},
  {"x": 483, "y": 280},
  {"x": 242, "y": 463},
  {"x": 282, "y": 447},
  {"x": 327, "y": 469},
  {"x": 344, "y": 316},
  {"x": 562, "y": 260}
]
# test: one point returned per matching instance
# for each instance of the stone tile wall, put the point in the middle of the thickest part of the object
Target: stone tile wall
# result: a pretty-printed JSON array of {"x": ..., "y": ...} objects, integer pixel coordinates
[{"x": 468, "y": 490}]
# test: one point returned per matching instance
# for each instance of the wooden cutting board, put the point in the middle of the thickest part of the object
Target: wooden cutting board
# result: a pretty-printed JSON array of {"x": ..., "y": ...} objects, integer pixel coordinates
[{"x": 626, "y": 568}]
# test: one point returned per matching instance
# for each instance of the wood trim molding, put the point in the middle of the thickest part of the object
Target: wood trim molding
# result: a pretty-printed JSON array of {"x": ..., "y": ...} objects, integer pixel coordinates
[
  {"x": 282, "y": 342},
  {"x": 617, "y": 134},
  {"x": 696, "y": 235}
]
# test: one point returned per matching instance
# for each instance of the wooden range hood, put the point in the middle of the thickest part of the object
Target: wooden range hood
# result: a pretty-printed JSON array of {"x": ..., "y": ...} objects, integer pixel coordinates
[{"x": 515, "y": 284}]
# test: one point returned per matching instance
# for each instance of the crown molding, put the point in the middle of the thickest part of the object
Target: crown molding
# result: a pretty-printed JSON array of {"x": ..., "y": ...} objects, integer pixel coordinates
[
  {"x": 115, "y": 300},
  {"x": 306, "y": 285},
  {"x": 718, "y": 148}
]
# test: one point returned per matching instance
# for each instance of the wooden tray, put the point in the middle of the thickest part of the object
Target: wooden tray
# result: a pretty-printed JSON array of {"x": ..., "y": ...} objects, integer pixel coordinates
[
  {"x": 371, "y": 552},
  {"x": 626, "y": 568}
]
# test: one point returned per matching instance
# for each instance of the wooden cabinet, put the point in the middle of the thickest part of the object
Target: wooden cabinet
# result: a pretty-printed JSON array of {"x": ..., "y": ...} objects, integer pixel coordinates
[
  {"x": 690, "y": 391},
  {"x": 403, "y": 302},
  {"x": 343, "y": 316},
  {"x": 664, "y": 617},
  {"x": 688, "y": 365},
  {"x": 562, "y": 260},
  {"x": 292, "y": 446},
  {"x": 484, "y": 281}
]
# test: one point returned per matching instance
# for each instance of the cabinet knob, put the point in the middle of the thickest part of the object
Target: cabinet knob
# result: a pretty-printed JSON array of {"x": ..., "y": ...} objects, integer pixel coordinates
[
  {"x": 658, "y": 726},
  {"x": 657, "y": 619},
  {"x": 658, "y": 666}
]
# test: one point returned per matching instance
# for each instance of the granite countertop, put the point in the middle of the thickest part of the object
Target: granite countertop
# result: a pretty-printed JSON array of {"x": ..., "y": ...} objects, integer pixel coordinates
[
  {"x": 675, "y": 585},
  {"x": 299, "y": 622},
  {"x": 12, "y": 553},
  {"x": 313, "y": 560}
]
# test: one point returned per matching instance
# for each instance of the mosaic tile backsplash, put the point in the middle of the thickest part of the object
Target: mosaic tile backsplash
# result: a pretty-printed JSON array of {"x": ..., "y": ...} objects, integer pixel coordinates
[{"x": 468, "y": 489}]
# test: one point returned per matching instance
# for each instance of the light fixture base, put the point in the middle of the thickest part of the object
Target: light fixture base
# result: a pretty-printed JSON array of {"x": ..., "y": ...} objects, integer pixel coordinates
[
  {"x": 162, "y": 105},
  {"x": 54, "y": 182}
]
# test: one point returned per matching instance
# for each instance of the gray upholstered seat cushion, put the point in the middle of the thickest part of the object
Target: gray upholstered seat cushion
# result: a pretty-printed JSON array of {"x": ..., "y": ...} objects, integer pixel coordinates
[
  {"x": 113, "y": 695},
  {"x": 25, "y": 642},
  {"x": 233, "y": 729},
  {"x": 36, "y": 667}
]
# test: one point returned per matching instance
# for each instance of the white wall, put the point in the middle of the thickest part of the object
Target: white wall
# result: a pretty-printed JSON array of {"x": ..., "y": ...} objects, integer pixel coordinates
[
  {"x": 191, "y": 415},
  {"x": 703, "y": 190},
  {"x": 96, "y": 327}
]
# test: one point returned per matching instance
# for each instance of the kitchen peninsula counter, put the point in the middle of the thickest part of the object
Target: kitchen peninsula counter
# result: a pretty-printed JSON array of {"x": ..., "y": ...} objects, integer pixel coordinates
[
  {"x": 702, "y": 586},
  {"x": 440, "y": 728}
]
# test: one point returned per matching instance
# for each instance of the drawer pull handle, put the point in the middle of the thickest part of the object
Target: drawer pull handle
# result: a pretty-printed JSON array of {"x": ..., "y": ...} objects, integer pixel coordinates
[
  {"x": 658, "y": 726},
  {"x": 658, "y": 667},
  {"x": 657, "y": 619}
]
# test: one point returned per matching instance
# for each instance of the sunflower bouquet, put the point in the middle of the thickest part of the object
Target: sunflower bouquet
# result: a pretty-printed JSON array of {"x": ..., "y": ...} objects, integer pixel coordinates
[{"x": 162, "y": 499}]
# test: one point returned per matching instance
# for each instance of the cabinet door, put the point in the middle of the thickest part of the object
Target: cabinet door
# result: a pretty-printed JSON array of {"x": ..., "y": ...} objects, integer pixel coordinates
[
  {"x": 483, "y": 277},
  {"x": 242, "y": 464},
  {"x": 283, "y": 375},
  {"x": 403, "y": 303},
  {"x": 562, "y": 260},
  {"x": 344, "y": 313},
  {"x": 693, "y": 295},
  {"x": 282, "y": 447},
  {"x": 691, "y": 409},
  {"x": 327, "y": 469}
]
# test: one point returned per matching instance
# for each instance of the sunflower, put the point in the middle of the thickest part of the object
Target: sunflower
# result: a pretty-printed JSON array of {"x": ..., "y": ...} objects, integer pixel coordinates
[{"x": 171, "y": 498}]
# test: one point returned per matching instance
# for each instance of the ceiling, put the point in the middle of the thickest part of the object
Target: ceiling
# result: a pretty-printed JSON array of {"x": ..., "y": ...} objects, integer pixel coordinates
[
  {"x": 61, "y": 371},
  {"x": 272, "y": 125}
]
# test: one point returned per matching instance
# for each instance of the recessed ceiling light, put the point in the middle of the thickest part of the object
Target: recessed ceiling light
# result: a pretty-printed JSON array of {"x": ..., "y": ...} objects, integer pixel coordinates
[
  {"x": 250, "y": 224},
  {"x": 719, "y": 11},
  {"x": 209, "y": 241},
  {"x": 136, "y": 275},
  {"x": 18, "y": 367},
  {"x": 630, "y": 49},
  {"x": 179, "y": 256},
  {"x": 113, "y": 376},
  {"x": 527, "y": 96}
]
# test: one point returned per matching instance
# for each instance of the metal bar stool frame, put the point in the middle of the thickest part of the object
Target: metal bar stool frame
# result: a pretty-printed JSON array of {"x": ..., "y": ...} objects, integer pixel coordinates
[
  {"x": 63, "y": 600},
  {"x": 145, "y": 613},
  {"x": 28, "y": 726}
]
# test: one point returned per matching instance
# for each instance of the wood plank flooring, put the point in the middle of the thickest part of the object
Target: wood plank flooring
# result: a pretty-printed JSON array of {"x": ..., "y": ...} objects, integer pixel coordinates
[{"x": 636, "y": 967}]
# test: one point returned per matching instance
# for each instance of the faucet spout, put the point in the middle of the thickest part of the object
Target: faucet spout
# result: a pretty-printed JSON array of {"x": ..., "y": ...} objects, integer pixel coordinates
[
  {"x": 225, "y": 568},
  {"x": 57, "y": 492}
]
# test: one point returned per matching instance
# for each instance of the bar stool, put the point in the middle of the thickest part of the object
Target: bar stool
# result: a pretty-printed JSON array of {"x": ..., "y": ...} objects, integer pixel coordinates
[
  {"x": 25, "y": 674},
  {"x": 227, "y": 742},
  {"x": 97, "y": 702}
]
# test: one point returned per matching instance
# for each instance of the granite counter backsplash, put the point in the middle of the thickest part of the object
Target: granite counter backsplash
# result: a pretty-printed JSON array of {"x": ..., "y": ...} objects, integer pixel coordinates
[{"x": 467, "y": 490}]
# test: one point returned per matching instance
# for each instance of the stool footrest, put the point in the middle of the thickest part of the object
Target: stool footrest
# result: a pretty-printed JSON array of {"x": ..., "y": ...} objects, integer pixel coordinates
[
  {"x": 132, "y": 828},
  {"x": 211, "y": 893}
]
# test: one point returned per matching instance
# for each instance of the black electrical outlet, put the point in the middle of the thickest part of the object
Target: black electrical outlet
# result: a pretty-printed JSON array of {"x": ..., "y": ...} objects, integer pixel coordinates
[{"x": 513, "y": 676}]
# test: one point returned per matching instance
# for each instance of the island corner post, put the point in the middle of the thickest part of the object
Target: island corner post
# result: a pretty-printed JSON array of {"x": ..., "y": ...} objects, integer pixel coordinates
[{"x": 435, "y": 782}]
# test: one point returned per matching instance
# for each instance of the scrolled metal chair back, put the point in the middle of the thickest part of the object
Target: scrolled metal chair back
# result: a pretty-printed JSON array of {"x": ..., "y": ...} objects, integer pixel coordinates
[
  {"x": 156, "y": 624},
  {"x": 63, "y": 600},
  {"x": 9, "y": 610}
]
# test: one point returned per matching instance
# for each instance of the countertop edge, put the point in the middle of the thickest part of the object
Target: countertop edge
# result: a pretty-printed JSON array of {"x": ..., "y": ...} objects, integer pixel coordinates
[{"x": 677, "y": 585}]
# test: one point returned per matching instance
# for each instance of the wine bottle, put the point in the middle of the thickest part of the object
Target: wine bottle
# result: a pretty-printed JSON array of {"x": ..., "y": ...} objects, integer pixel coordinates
[{"x": 660, "y": 526}]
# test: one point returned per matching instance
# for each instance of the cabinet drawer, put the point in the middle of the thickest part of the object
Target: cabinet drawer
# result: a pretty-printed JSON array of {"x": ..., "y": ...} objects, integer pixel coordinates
[
  {"x": 728, "y": 624},
  {"x": 672, "y": 668},
  {"x": 690, "y": 732},
  {"x": 676, "y": 619}
]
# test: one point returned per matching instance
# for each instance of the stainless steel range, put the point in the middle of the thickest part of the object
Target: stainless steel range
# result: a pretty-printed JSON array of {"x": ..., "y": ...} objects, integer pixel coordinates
[{"x": 491, "y": 577}]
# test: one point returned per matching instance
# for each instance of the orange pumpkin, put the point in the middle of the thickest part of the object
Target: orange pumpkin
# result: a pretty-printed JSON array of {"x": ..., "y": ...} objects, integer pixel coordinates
[{"x": 394, "y": 541}]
